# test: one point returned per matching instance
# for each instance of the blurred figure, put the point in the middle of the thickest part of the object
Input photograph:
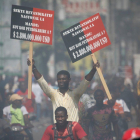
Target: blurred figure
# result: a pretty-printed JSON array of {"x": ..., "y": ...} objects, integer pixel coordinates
[
  {"x": 86, "y": 99},
  {"x": 132, "y": 134},
  {"x": 86, "y": 102},
  {"x": 10, "y": 87},
  {"x": 7, "y": 99},
  {"x": 44, "y": 105},
  {"x": 17, "y": 114},
  {"x": 101, "y": 116},
  {"x": 121, "y": 110},
  {"x": 137, "y": 91},
  {"x": 2, "y": 92},
  {"x": 5, "y": 130},
  {"x": 38, "y": 98},
  {"x": 28, "y": 103},
  {"x": 129, "y": 97}
]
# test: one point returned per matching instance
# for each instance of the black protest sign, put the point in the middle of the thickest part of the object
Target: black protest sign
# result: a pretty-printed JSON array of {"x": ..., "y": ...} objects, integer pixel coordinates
[
  {"x": 32, "y": 24},
  {"x": 85, "y": 37}
]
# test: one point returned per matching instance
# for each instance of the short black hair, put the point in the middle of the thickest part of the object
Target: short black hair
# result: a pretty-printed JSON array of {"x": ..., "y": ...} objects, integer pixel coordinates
[
  {"x": 64, "y": 72},
  {"x": 98, "y": 90},
  {"x": 61, "y": 109}
]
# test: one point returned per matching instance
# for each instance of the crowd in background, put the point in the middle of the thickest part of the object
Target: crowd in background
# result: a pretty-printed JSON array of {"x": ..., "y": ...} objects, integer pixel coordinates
[{"x": 126, "y": 101}]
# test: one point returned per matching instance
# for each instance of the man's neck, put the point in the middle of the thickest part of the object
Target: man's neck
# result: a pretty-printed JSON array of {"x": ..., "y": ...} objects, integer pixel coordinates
[
  {"x": 62, "y": 127},
  {"x": 99, "y": 106},
  {"x": 13, "y": 106},
  {"x": 23, "y": 91},
  {"x": 63, "y": 91}
]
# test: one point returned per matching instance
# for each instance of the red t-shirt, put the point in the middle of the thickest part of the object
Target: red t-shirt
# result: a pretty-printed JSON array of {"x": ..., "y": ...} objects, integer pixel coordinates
[
  {"x": 28, "y": 103},
  {"x": 77, "y": 130}
]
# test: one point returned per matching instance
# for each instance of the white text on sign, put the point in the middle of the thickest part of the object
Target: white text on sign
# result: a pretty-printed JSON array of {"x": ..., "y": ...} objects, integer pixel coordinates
[{"x": 89, "y": 48}]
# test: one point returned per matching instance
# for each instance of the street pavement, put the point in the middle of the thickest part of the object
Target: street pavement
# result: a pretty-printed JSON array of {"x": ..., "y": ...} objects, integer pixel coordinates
[{"x": 39, "y": 127}]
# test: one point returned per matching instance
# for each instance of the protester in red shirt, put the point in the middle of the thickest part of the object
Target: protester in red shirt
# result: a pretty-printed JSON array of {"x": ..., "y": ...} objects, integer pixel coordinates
[
  {"x": 64, "y": 129},
  {"x": 23, "y": 91}
]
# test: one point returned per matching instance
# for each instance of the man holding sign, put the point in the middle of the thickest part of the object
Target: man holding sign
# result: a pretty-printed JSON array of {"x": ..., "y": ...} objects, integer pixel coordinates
[
  {"x": 64, "y": 96},
  {"x": 85, "y": 38}
]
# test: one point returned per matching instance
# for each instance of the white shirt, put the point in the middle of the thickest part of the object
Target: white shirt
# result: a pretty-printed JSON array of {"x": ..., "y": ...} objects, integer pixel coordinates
[
  {"x": 6, "y": 111},
  {"x": 122, "y": 102},
  {"x": 37, "y": 92},
  {"x": 87, "y": 101},
  {"x": 69, "y": 100}
]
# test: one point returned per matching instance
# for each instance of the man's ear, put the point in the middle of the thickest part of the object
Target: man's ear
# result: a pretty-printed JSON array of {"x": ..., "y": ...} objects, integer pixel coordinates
[{"x": 67, "y": 116}]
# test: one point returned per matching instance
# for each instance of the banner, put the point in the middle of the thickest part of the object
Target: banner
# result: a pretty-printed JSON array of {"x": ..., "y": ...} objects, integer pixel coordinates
[
  {"x": 85, "y": 37},
  {"x": 32, "y": 24}
]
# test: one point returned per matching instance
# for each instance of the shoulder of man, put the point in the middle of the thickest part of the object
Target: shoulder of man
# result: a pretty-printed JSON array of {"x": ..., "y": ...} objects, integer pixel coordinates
[
  {"x": 49, "y": 129},
  {"x": 75, "y": 125}
]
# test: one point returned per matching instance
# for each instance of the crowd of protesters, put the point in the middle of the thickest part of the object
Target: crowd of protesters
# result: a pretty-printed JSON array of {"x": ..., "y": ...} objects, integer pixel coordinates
[{"x": 125, "y": 100}]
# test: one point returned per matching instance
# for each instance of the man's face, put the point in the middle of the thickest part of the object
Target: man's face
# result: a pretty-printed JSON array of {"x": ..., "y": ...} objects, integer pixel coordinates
[
  {"x": 99, "y": 97},
  {"x": 18, "y": 103},
  {"x": 63, "y": 81},
  {"x": 61, "y": 118},
  {"x": 22, "y": 86}
]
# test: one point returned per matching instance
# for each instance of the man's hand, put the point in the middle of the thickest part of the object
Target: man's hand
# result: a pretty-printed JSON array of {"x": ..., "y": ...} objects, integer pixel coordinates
[
  {"x": 29, "y": 62},
  {"x": 96, "y": 65},
  {"x": 111, "y": 102}
]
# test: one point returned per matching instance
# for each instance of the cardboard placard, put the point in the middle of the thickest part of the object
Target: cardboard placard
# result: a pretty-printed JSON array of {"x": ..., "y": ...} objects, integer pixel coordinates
[
  {"x": 32, "y": 24},
  {"x": 85, "y": 37}
]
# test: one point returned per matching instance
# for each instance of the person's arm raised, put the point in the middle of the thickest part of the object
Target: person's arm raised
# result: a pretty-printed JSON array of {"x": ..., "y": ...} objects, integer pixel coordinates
[
  {"x": 90, "y": 75},
  {"x": 48, "y": 90},
  {"x": 34, "y": 69}
]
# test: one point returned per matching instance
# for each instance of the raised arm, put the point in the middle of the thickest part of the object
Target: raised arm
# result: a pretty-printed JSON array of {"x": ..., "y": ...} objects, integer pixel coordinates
[
  {"x": 90, "y": 75},
  {"x": 41, "y": 81},
  {"x": 35, "y": 71},
  {"x": 84, "y": 84}
]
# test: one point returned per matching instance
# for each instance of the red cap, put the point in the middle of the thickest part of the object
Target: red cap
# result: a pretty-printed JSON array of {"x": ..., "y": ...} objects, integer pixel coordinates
[{"x": 131, "y": 134}]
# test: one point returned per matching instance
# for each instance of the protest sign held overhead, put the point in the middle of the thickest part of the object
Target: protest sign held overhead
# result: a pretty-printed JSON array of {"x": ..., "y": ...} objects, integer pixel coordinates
[
  {"x": 32, "y": 24},
  {"x": 85, "y": 37}
]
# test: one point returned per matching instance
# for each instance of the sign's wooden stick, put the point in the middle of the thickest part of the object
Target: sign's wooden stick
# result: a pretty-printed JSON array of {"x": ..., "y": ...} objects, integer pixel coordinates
[
  {"x": 30, "y": 71},
  {"x": 101, "y": 77}
]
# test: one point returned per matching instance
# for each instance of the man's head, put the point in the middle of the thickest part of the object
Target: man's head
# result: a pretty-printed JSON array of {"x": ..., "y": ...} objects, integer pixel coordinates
[
  {"x": 63, "y": 79},
  {"x": 99, "y": 96},
  {"x": 16, "y": 100},
  {"x": 22, "y": 85},
  {"x": 61, "y": 116}
]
